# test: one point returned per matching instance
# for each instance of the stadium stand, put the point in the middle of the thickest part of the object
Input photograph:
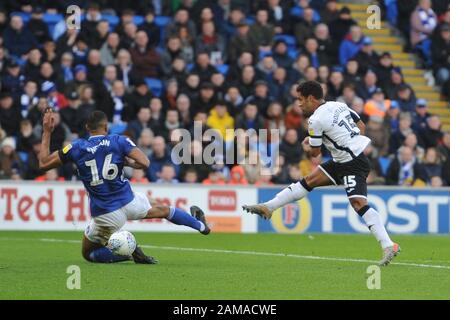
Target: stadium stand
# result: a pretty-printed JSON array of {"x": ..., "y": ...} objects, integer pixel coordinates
[{"x": 181, "y": 61}]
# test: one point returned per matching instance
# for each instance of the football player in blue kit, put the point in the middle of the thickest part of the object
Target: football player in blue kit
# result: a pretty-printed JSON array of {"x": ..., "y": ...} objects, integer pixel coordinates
[{"x": 100, "y": 160}]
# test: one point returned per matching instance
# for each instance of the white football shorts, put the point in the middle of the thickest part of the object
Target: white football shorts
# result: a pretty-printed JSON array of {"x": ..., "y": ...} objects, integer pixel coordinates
[{"x": 102, "y": 227}]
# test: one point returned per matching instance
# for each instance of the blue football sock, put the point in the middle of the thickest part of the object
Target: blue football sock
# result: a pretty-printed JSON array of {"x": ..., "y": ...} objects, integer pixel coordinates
[
  {"x": 104, "y": 255},
  {"x": 181, "y": 217}
]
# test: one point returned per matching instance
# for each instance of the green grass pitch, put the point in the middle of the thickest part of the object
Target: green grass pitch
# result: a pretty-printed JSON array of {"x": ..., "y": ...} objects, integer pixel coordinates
[{"x": 226, "y": 266}]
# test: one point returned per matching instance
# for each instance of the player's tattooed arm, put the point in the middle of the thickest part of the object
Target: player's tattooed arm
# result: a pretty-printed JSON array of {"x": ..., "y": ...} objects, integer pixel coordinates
[
  {"x": 137, "y": 159},
  {"x": 48, "y": 161}
]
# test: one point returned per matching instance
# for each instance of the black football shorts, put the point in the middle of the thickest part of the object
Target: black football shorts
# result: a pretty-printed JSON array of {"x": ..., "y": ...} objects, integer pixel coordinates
[{"x": 351, "y": 174}]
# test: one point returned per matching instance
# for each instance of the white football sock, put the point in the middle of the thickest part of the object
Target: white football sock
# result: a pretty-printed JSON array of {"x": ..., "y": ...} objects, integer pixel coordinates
[
  {"x": 294, "y": 192},
  {"x": 373, "y": 221}
]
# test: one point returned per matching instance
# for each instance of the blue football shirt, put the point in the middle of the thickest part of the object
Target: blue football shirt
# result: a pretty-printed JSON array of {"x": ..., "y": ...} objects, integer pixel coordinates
[{"x": 100, "y": 161}]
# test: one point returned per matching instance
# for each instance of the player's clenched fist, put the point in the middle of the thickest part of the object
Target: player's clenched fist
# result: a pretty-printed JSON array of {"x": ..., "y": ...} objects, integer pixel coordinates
[{"x": 305, "y": 145}]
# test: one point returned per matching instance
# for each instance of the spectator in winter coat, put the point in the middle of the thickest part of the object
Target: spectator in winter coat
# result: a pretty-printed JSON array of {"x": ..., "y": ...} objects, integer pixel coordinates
[
  {"x": 351, "y": 45},
  {"x": 17, "y": 38}
]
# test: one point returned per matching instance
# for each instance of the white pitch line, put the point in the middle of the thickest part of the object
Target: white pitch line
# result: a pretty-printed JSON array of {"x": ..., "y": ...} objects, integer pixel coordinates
[{"x": 254, "y": 253}]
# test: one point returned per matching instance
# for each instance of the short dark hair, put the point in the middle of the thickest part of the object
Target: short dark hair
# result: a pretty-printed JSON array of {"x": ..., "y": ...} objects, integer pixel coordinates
[
  {"x": 95, "y": 119},
  {"x": 310, "y": 88}
]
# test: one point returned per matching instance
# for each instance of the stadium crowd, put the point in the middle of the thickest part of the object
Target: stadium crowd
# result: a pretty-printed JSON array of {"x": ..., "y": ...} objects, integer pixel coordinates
[{"x": 156, "y": 66}]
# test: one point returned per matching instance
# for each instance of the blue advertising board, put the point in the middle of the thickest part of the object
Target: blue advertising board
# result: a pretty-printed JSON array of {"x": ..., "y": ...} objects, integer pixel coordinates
[{"x": 404, "y": 211}]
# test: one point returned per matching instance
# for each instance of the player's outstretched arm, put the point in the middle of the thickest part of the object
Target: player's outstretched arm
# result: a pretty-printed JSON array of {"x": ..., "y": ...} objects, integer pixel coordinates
[
  {"x": 138, "y": 159},
  {"x": 362, "y": 127},
  {"x": 48, "y": 161}
]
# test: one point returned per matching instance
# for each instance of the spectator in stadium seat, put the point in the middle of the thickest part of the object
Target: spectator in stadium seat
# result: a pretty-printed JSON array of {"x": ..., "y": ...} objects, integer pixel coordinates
[
  {"x": 421, "y": 115},
  {"x": 191, "y": 86},
  {"x": 275, "y": 118},
  {"x": 190, "y": 176},
  {"x": 139, "y": 97},
  {"x": 29, "y": 97},
  {"x": 206, "y": 99},
  {"x": 315, "y": 57},
  {"x": 138, "y": 176},
  {"x": 349, "y": 96},
  {"x": 145, "y": 59},
  {"x": 368, "y": 86},
  {"x": 311, "y": 74},
  {"x": 444, "y": 151},
  {"x": 100, "y": 35},
  {"x": 367, "y": 57},
  {"x": 234, "y": 100},
  {"x": 126, "y": 70},
  {"x": 423, "y": 21},
  {"x": 32, "y": 167},
  {"x": 203, "y": 67},
  {"x": 237, "y": 176},
  {"x": 395, "y": 83},
  {"x": 246, "y": 81},
  {"x": 335, "y": 83},
  {"x": 220, "y": 120},
  {"x": 95, "y": 69},
  {"x": 384, "y": 68},
  {"x": 378, "y": 105},
  {"x": 415, "y": 142},
  {"x": 294, "y": 116},
  {"x": 324, "y": 74},
  {"x": 145, "y": 140},
  {"x": 167, "y": 174},
  {"x": 10, "y": 162},
  {"x": 351, "y": 45},
  {"x": 180, "y": 20},
  {"x": 378, "y": 134},
  {"x": 352, "y": 74},
  {"x": 25, "y": 137},
  {"x": 172, "y": 51},
  {"x": 32, "y": 66},
  {"x": 126, "y": 17},
  {"x": 340, "y": 27},
  {"x": 326, "y": 45},
  {"x": 10, "y": 115},
  {"x": 280, "y": 54},
  {"x": 160, "y": 156},
  {"x": 440, "y": 51},
  {"x": 432, "y": 164},
  {"x": 432, "y": 134},
  {"x": 183, "y": 106},
  {"x": 278, "y": 15},
  {"x": 92, "y": 18},
  {"x": 398, "y": 136},
  {"x": 127, "y": 39},
  {"x": 249, "y": 118},
  {"x": 71, "y": 115},
  {"x": 406, "y": 98},
  {"x": 404, "y": 170},
  {"x": 261, "y": 97},
  {"x": 291, "y": 147},
  {"x": 241, "y": 44},
  {"x": 109, "y": 49},
  {"x": 211, "y": 42},
  {"x": 376, "y": 173},
  {"x": 17, "y": 37},
  {"x": 330, "y": 13},
  {"x": 266, "y": 66},
  {"x": 13, "y": 80},
  {"x": 262, "y": 32},
  {"x": 304, "y": 29},
  {"x": 279, "y": 85},
  {"x": 150, "y": 27}
]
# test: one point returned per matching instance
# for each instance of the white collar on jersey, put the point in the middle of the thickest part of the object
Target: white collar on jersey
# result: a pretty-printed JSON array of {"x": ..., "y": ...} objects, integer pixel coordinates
[{"x": 100, "y": 135}]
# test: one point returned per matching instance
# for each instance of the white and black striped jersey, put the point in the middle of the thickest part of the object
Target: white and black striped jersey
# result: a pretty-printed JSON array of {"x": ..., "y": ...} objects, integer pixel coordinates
[{"x": 334, "y": 125}]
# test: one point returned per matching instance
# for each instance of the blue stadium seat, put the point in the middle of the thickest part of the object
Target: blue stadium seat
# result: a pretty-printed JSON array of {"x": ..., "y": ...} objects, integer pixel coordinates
[
  {"x": 291, "y": 42},
  {"x": 189, "y": 66},
  {"x": 293, "y": 53},
  {"x": 138, "y": 20},
  {"x": 384, "y": 164},
  {"x": 162, "y": 21},
  {"x": 113, "y": 20},
  {"x": 250, "y": 20},
  {"x": 223, "y": 68},
  {"x": 117, "y": 128},
  {"x": 52, "y": 18},
  {"x": 23, "y": 156},
  {"x": 25, "y": 16},
  {"x": 155, "y": 85}
]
